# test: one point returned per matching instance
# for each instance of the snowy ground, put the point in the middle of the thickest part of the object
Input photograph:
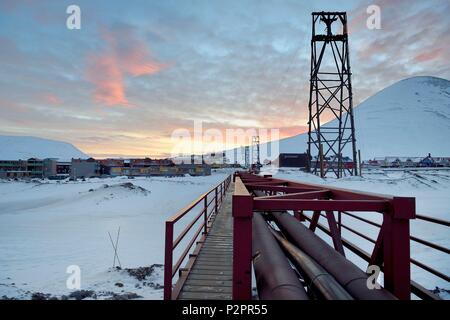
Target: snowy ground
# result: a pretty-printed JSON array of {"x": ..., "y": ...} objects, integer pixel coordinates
[
  {"x": 47, "y": 226},
  {"x": 431, "y": 188}
]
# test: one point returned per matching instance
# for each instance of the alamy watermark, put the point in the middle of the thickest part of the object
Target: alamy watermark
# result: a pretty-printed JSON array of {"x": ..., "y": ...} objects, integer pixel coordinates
[
  {"x": 209, "y": 142},
  {"x": 374, "y": 272},
  {"x": 73, "y": 282},
  {"x": 73, "y": 21},
  {"x": 374, "y": 19}
]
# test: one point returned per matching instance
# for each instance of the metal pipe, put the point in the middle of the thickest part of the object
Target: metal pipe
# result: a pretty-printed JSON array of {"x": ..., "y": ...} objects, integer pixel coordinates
[
  {"x": 319, "y": 278},
  {"x": 275, "y": 278},
  {"x": 353, "y": 279}
]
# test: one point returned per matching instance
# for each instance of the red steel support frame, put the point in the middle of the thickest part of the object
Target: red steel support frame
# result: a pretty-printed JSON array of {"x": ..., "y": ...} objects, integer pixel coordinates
[
  {"x": 392, "y": 248},
  {"x": 242, "y": 242},
  {"x": 396, "y": 248}
]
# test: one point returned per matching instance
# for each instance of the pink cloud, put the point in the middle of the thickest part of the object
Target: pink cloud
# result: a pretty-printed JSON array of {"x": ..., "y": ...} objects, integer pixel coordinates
[
  {"x": 125, "y": 55},
  {"x": 286, "y": 132},
  {"x": 105, "y": 74},
  {"x": 429, "y": 55},
  {"x": 52, "y": 99},
  {"x": 137, "y": 61}
]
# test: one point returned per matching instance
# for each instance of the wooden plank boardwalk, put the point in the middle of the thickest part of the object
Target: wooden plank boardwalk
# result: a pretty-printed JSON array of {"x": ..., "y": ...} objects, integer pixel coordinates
[{"x": 211, "y": 274}]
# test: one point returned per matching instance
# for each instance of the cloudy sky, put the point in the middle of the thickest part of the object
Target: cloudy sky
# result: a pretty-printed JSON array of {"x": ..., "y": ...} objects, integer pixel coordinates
[{"x": 138, "y": 70}]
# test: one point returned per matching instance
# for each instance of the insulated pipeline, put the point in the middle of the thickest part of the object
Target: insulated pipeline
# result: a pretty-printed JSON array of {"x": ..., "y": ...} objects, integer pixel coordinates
[
  {"x": 347, "y": 274},
  {"x": 319, "y": 278},
  {"x": 275, "y": 278}
]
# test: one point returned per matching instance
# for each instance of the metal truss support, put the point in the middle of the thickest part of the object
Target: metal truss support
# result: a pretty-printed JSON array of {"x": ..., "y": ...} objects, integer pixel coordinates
[{"x": 331, "y": 145}]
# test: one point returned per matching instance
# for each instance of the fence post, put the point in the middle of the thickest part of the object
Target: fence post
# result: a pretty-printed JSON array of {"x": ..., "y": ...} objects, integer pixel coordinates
[
  {"x": 396, "y": 246},
  {"x": 205, "y": 215},
  {"x": 168, "y": 257},
  {"x": 242, "y": 210},
  {"x": 216, "y": 201}
]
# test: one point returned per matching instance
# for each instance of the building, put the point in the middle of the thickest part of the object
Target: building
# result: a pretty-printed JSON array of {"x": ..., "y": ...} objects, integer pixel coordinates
[
  {"x": 106, "y": 166},
  {"x": 13, "y": 169},
  {"x": 195, "y": 169},
  {"x": 134, "y": 167},
  {"x": 292, "y": 160},
  {"x": 442, "y": 161},
  {"x": 81, "y": 168},
  {"x": 31, "y": 168},
  {"x": 407, "y": 162},
  {"x": 87, "y": 168},
  {"x": 147, "y": 162},
  {"x": 49, "y": 168},
  {"x": 166, "y": 171},
  {"x": 63, "y": 168},
  {"x": 162, "y": 170},
  {"x": 34, "y": 168}
]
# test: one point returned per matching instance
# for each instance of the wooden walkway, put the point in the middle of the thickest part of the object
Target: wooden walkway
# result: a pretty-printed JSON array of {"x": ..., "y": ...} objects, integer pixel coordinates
[{"x": 210, "y": 276}]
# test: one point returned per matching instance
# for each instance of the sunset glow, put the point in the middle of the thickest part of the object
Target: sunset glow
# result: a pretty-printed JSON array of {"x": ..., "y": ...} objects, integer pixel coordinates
[{"x": 133, "y": 74}]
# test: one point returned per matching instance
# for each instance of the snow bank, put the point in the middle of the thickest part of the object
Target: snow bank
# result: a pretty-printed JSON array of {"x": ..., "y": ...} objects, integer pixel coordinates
[{"x": 45, "y": 227}]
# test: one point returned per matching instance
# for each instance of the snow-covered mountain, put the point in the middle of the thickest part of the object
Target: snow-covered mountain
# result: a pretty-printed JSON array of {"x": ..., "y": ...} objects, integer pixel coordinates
[
  {"x": 24, "y": 147},
  {"x": 409, "y": 118}
]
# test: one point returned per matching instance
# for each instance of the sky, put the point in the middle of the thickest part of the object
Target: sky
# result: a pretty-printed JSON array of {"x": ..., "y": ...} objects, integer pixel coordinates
[{"x": 137, "y": 71}]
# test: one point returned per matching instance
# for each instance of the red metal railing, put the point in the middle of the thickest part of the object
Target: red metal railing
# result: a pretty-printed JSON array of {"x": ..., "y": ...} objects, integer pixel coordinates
[
  {"x": 207, "y": 204},
  {"x": 391, "y": 251},
  {"x": 416, "y": 288}
]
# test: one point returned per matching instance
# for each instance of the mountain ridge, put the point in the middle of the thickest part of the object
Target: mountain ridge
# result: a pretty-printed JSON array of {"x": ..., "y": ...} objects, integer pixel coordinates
[
  {"x": 25, "y": 147},
  {"x": 387, "y": 122}
]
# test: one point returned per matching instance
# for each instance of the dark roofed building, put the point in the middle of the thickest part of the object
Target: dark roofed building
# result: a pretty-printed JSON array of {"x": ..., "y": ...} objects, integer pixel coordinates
[{"x": 292, "y": 160}]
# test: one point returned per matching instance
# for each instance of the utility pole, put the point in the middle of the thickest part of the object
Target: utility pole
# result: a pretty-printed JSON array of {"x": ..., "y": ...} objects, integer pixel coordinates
[
  {"x": 322, "y": 169},
  {"x": 359, "y": 162},
  {"x": 330, "y": 97},
  {"x": 256, "y": 161},
  {"x": 247, "y": 156}
]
